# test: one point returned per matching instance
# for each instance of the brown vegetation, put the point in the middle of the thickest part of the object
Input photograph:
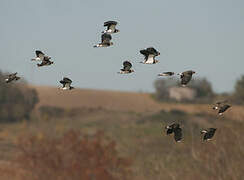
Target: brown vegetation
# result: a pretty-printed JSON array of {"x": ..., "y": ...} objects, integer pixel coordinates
[{"x": 16, "y": 101}]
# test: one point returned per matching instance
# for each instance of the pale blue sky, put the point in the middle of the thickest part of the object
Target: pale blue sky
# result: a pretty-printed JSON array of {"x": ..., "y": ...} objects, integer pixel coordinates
[{"x": 204, "y": 35}]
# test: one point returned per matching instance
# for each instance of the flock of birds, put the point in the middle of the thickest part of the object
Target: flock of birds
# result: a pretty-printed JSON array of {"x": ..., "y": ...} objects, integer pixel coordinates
[{"x": 149, "y": 58}]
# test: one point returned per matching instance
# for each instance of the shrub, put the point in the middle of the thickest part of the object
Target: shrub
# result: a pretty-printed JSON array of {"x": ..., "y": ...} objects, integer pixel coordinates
[
  {"x": 16, "y": 101},
  {"x": 73, "y": 156}
]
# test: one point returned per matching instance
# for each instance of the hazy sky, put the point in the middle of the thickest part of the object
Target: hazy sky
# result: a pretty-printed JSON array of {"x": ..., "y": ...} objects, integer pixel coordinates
[{"x": 203, "y": 35}]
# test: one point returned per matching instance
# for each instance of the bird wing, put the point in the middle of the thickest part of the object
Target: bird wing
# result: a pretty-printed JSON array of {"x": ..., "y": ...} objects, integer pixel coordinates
[
  {"x": 12, "y": 76},
  {"x": 145, "y": 53},
  {"x": 106, "y": 38},
  {"x": 178, "y": 134},
  {"x": 45, "y": 60},
  {"x": 127, "y": 65},
  {"x": 224, "y": 108},
  {"x": 169, "y": 131},
  {"x": 67, "y": 80},
  {"x": 153, "y": 51},
  {"x": 169, "y": 73},
  {"x": 110, "y": 24},
  {"x": 40, "y": 54}
]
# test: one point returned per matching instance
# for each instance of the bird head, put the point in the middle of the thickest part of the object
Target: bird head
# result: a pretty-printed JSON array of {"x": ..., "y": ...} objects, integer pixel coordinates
[{"x": 111, "y": 43}]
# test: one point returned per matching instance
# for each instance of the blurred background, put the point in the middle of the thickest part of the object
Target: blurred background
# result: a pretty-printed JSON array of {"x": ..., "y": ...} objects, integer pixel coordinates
[{"x": 113, "y": 126}]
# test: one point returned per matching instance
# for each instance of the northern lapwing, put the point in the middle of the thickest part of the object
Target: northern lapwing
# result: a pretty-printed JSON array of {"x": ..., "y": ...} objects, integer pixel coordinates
[
  {"x": 186, "y": 77},
  {"x": 45, "y": 62},
  {"x": 12, "y": 77},
  {"x": 105, "y": 41},
  {"x": 221, "y": 106},
  {"x": 40, "y": 56},
  {"x": 174, "y": 128},
  {"x": 208, "y": 133},
  {"x": 149, "y": 55},
  {"x": 66, "y": 82},
  {"x": 127, "y": 68},
  {"x": 111, "y": 27},
  {"x": 166, "y": 74}
]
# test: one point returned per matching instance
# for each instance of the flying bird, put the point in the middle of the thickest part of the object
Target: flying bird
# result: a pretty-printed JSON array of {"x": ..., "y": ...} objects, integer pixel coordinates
[
  {"x": 149, "y": 55},
  {"x": 127, "y": 68},
  {"x": 186, "y": 77},
  {"x": 174, "y": 128},
  {"x": 106, "y": 41},
  {"x": 45, "y": 62},
  {"x": 66, "y": 82},
  {"x": 40, "y": 56},
  {"x": 166, "y": 74},
  {"x": 218, "y": 104},
  {"x": 12, "y": 77},
  {"x": 208, "y": 133},
  {"x": 221, "y": 106},
  {"x": 111, "y": 27}
]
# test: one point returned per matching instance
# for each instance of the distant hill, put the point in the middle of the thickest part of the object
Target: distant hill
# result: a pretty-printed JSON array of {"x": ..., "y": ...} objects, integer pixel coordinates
[{"x": 120, "y": 101}]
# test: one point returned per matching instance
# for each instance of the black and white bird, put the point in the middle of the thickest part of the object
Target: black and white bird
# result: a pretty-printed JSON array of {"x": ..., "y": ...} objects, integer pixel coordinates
[
  {"x": 186, "y": 77},
  {"x": 208, "y": 133},
  {"x": 166, "y": 74},
  {"x": 175, "y": 128},
  {"x": 12, "y": 77},
  {"x": 45, "y": 62},
  {"x": 66, "y": 82},
  {"x": 221, "y": 106},
  {"x": 40, "y": 56},
  {"x": 111, "y": 27},
  {"x": 218, "y": 104},
  {"x": 149, "y": 55},
  {"x": 105, "y": 41},
  {"x": 127, "y": 68}
]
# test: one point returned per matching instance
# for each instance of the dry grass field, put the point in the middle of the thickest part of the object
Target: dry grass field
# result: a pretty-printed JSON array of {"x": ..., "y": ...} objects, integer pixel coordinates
[
  {"x": 136, "y": 123},
  {"x": 122, "y": 101}
]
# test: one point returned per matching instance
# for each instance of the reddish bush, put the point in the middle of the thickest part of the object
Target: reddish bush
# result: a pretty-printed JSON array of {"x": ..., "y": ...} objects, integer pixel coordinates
[{"x": 73, "y": 156}]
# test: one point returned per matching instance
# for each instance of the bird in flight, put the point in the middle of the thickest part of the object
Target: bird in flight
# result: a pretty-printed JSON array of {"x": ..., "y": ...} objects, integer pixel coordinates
[
  {"x": 12, "y": 77},
  {"x": 127, "y": 68},
  {"x": 186, "y": 77},
  {"x": 221, "y": 106},
  {"x": 174, "y": 128},
  {"x": 166, "y": 74},
  {"x": 149, "y": 55},
  {"x": 111, "y": 27},
  {"x": 66, "y": 82},
  {"x": 45, "y": 62},
  {"x": 105, "y": 41},
  {"x": 40, "y": 56},
  {"x": 208, "y": 133}
]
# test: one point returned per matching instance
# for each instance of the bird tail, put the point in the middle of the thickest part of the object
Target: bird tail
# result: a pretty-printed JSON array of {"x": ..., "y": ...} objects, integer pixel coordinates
[
  {"x": 33, "y": 59},
  {"x": 95, "y": 46}
]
